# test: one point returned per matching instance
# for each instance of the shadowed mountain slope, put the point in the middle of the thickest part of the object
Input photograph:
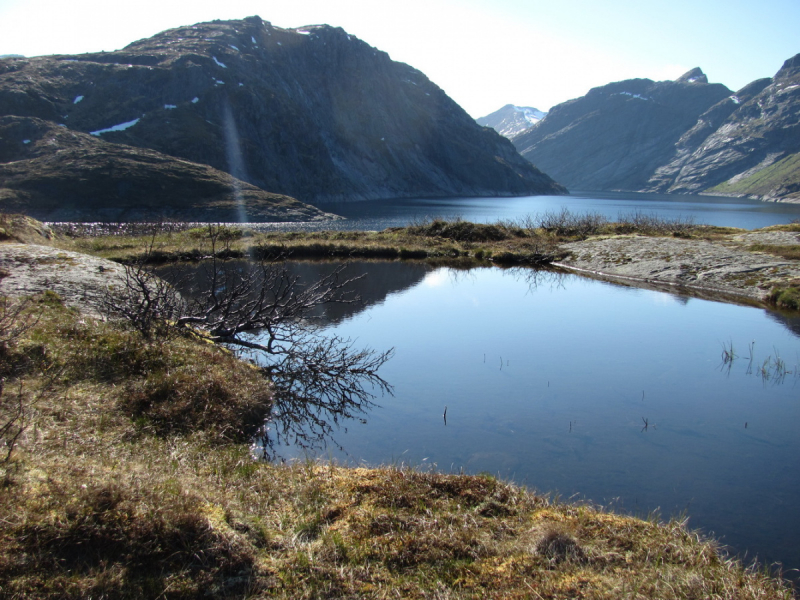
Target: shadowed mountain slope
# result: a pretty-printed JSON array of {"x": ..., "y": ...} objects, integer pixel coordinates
[
  {"x": 684, "y": 136},
  {"x": 617, "y": 135},
  {"x": 313, "y": 113},
  {"x": 56, "y": 174},
  {"x": 747, "y": 144}
]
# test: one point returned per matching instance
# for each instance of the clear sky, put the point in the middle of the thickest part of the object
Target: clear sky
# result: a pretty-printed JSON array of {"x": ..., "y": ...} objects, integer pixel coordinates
[{"x": 483, "y": 53}]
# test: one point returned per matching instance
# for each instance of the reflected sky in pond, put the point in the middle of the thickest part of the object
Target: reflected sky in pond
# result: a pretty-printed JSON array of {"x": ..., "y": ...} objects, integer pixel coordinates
[{"x": 549, "y": 380}]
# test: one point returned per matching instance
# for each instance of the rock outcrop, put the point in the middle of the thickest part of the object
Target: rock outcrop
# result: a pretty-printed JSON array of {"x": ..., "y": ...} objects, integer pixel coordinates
[{"x": 312, "y": 113}]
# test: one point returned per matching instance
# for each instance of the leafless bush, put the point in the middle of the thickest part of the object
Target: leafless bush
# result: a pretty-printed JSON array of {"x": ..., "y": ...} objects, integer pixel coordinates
[
  {"x": 568, "y": 224},
  {"x": 13, "y": 419},
  {"x": 146, "y": 301},
  {"x": 16, "y": 318},
  {"x": 652, "y": 223},
  {"x": 262, "y": 310}
]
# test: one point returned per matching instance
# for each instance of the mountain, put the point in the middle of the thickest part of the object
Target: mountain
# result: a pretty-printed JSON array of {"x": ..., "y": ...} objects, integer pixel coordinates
[
  {"x": 684, "y": 136},
  {"x": 56, "y": 174},
  {"x": 512, "y": 120},
  {"x": 312, "y": 113},
  {"x": 747, "y": 144},
  {"x": 617, "y": 135}
]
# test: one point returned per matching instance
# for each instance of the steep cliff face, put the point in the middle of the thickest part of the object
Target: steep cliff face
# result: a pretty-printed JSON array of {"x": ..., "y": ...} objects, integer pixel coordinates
[
  {"x": 618, "y": 135},
  {"x": 734, "y": 143},
  {"x": 313, "y": 113},
  {"x": 55, "y": 174}
]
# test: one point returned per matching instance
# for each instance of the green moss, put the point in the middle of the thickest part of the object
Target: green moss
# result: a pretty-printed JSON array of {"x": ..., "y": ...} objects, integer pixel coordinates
[{"x": 786, "y": 297}]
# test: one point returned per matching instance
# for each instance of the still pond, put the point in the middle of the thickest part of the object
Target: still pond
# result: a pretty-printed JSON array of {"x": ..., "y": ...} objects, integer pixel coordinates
[{"x": 593, "y": 391}]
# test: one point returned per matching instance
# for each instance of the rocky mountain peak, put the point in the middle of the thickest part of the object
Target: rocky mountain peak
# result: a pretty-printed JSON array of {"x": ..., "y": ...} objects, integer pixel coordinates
[
  {"x": 695, "y": 75},
  {"x": 511, "y": 120},
  {"x": 790, "y": 68}
]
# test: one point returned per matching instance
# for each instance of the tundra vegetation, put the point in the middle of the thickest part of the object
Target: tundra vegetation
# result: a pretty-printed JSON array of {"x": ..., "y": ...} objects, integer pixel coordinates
[
  {"x": 532, "y": 240},
  {"x": 129, "y": 472}
]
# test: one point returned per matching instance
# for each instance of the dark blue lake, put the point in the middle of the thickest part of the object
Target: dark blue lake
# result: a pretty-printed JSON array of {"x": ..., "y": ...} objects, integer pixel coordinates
[
  {"x": 708, "y": 210},
  {"x": 585, "y": 389}
]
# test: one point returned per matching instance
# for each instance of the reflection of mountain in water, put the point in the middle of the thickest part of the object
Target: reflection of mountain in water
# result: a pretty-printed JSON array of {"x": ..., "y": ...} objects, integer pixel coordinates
[
  {"x": 380, "y": 279},
  {"x": 789, "y": 320}
]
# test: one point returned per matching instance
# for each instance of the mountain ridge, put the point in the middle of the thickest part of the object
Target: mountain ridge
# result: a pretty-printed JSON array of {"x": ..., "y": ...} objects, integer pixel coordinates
[
  {"x": 312, "y": 112},
  {"x": 694, "y": 137}
]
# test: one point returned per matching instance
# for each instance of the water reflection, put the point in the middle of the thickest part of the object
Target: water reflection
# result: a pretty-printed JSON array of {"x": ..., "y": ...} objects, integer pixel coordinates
[
  {"x": 585, "y": 388},
  {"x": 373, "y": 281}
]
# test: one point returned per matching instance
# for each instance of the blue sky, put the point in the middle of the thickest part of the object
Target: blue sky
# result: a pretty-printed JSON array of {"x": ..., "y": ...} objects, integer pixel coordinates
[{"x": 483, "y": 53}]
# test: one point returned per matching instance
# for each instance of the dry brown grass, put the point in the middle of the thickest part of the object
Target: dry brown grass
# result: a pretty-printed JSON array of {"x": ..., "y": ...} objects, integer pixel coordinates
[
  {"x": 434, "y": 240},
  {"x": 112, "y": 496}
]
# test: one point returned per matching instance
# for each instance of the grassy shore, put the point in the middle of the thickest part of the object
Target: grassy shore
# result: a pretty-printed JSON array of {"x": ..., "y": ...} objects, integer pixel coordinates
[
  {"x": 133, "y": 478},
  {"x": 130, "y": 475},
  {"x": 532, "y": 241}
]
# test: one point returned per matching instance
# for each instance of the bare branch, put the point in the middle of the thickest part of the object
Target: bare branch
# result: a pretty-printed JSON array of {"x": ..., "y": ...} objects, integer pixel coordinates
[{"x": 266, "y": 312}]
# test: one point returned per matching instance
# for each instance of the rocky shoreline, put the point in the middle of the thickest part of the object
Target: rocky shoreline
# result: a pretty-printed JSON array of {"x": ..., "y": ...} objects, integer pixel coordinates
[{"x": 724, "y": 270}]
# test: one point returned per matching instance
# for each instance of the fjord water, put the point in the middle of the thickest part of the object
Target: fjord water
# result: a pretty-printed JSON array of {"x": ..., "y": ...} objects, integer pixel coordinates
[
  {"x": 590, "y": 390},
  {"x": 706, "y": 210}
]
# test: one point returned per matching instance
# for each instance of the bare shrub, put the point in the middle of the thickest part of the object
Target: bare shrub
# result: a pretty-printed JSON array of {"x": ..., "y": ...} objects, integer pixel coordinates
[
  {"x": 146, "y": 301},
  {"x": 559, "y": 547},
  {"x": 464, "y": 231},
  {"x": 654, "y": 224},
  {"x": 317, "y": 380},
  {"x": 13, "y": 419},
  {"x": 16, "y": 318},
  {"x": 565, "y": 223}
]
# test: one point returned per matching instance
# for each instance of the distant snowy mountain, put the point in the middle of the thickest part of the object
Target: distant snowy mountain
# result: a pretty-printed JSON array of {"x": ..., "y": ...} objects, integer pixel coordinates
[{"x": 512, "y": 120}]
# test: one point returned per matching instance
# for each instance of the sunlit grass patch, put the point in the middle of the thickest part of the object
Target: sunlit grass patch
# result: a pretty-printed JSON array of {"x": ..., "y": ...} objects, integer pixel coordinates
[
  {"x": 787, "y": 296},
  {"x": 788, "y": 251}
]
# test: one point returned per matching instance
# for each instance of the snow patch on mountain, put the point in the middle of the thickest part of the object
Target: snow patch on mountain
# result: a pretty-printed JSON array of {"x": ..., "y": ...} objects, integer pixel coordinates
[
  {"x": 120, "y": 127},
  {"x": 512, "y": 120}
]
